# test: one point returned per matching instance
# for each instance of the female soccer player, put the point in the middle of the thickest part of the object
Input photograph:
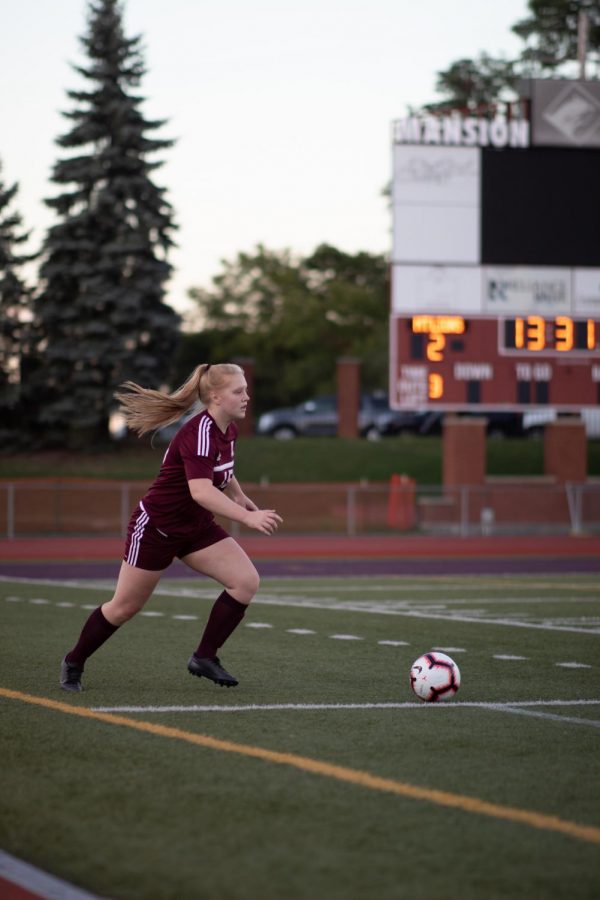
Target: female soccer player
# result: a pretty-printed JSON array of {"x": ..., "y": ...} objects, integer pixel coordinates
[{"x": 176, "y": 517}]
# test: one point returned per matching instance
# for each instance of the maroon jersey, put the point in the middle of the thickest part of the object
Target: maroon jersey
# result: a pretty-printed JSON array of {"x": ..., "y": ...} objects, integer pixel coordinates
[{"x": 199, "y": 450}]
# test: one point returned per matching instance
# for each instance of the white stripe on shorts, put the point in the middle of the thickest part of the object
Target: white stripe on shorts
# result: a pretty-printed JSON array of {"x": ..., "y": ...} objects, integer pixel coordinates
[{"x": 136, "y": 537}]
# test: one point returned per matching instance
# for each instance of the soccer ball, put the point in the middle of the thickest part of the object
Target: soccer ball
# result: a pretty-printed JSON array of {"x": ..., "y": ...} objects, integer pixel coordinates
[{"x": 434, "y": 676}]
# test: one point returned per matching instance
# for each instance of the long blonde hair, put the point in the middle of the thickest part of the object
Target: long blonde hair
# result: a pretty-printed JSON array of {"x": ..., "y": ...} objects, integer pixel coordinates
[{"x": 145, "y": 409}]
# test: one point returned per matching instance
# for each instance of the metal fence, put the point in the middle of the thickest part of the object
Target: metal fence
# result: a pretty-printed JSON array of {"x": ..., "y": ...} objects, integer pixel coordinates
[{"x": 500, "y": 506}]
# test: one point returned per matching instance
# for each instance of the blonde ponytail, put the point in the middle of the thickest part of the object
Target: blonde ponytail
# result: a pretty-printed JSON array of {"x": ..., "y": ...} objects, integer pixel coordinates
[{"x": 145, "y": 409}]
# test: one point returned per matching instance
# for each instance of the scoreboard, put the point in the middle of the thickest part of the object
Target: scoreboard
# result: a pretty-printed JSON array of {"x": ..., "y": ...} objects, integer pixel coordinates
[
  {"x": 458, "y": 362},
  {"x": 496, "y": 257}
]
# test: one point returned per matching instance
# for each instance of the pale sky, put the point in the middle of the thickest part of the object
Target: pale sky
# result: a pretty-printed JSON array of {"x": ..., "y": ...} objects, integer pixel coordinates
[{"x": 281, "y": 110}]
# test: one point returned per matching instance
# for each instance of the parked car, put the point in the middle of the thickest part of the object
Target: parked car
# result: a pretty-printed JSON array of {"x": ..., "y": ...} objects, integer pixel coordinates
[
  {"x": 499, "y": 422},
  {"x": 319, "y": 417},
  {"x": 535, "y": 420}
]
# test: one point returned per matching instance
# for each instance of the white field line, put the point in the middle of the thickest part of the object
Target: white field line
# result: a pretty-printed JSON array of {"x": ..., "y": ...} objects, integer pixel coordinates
[
  {"x": 108, "y": 587},
  {"x": 337, "y": 606},
  {"x": 570, "y": 720},
  {"x": 521, "y": 708},
  {"x": 343, "y": 637},
  {"x": 425, "y": 583},
  {"x": 508, "y": 706},
  {"x": 451, "y": 582},
  {"x": 403, "y": 584},
  {"x": 418, "y": 614}
]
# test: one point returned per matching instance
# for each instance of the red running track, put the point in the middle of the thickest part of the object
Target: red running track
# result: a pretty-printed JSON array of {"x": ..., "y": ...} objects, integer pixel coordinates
[{"x": 323, "y": 547}]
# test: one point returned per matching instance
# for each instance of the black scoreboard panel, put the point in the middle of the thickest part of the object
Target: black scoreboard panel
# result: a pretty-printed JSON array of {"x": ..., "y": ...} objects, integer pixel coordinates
[
  {"x": 540, "y": 207},
  {"x": 456, "y": 362}
]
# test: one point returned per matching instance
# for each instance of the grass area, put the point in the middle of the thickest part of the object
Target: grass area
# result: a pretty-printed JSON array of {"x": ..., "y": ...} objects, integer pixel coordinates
[
  {"x": 300, "y": 460},
  {"x": 138, "y": 815}
]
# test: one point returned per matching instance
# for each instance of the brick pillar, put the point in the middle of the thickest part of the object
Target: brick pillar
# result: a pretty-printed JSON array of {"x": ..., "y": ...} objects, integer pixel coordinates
[
  {"x": 565, "y": 450},
  {"x": 246, "y": 425},
  {"x": 348, "y": 396},
  {"x": 463, "y": 451}
]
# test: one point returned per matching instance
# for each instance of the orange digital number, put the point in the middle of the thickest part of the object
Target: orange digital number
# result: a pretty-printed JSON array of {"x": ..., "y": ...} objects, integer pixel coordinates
[
  {"x": 591, "y": 335},
  {"x": 519, "y": 334},
  {"x": 563, "y": 333},
  {"x": 435, "y": 387},
  {"x": 435, "y": 347},
  {"x": 536, "y": 333},
  {"x": 530, "y": 334}
]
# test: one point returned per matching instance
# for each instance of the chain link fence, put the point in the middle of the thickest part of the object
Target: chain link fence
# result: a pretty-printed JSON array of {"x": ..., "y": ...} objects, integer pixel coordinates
[{"x": 500, "y": 506}]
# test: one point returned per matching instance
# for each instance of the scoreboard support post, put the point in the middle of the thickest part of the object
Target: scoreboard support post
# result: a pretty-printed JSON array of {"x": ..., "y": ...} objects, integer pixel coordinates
[
  {"x": 348, "y": 396},
  {"x": 463, "y": 459},
  {"x": 472, "y": 502},
  {"x": 565, "y": 450}
]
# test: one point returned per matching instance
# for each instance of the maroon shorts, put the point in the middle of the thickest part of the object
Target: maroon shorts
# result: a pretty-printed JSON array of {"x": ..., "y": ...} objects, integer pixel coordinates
[{"x": 147, "y": 547}]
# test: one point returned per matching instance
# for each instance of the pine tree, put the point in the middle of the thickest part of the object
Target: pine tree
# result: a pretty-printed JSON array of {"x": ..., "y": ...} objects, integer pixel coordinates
[
  {"x": 15, "y": 303},
  {"x": 101, "y": 316}
]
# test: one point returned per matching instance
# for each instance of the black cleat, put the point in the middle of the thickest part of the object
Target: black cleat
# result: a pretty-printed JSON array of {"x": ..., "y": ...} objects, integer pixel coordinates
[
  {"x": 210, "y": 667},
  {"x": 70, "y": 676}
]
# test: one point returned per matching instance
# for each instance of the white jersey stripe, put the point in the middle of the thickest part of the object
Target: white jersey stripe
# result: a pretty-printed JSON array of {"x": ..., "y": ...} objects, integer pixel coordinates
[
  {"x": 222, "y": 468},
  {"x": 136, "y": 537},
  {"x": 204, "y": 436}
]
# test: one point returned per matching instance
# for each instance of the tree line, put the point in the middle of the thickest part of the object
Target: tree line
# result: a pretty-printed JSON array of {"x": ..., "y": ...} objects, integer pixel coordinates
[{"x": 97, "y": 315}]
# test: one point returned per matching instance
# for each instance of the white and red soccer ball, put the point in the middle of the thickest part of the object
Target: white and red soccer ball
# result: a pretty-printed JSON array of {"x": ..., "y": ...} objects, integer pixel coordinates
[{"x": 434, "y": 676}]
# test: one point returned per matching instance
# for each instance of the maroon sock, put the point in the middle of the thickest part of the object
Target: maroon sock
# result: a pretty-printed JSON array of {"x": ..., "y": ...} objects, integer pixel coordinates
[
  {"x": 96, "y": 630},
  {"x": 225, "y": 616}
]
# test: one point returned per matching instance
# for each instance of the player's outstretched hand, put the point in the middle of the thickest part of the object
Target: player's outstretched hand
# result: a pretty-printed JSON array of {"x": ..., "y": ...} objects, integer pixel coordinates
[{"x": 265, "y": 520}]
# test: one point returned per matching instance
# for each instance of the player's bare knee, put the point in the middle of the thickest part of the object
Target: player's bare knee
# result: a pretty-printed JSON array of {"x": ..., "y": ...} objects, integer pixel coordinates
[
  {"x": 117, "y": 613},
  {"x": 253, "y": 582},
  {"x": 246, "y": 586}
]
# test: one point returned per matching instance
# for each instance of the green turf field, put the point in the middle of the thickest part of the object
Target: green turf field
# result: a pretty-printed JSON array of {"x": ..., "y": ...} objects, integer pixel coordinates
[{"x": 321, "y": 776}]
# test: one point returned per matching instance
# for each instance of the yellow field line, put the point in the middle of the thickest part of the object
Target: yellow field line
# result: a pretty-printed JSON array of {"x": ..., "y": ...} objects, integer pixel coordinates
[{"x": 587, "y": 833}]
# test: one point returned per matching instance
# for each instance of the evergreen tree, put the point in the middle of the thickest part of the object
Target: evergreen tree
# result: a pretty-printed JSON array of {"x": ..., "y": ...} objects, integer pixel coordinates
[
  {"x": 101, "y": 316},
  {"x": 15, "y": 300}
]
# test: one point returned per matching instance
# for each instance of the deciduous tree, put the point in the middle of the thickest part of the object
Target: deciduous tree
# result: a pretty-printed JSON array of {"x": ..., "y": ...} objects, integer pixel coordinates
[
  {"x": 550, "y": 35},
  {"x": 475, "y": 85},
  {"x": 295, "y": 316},
  {"x": 551, "y": 31}
]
